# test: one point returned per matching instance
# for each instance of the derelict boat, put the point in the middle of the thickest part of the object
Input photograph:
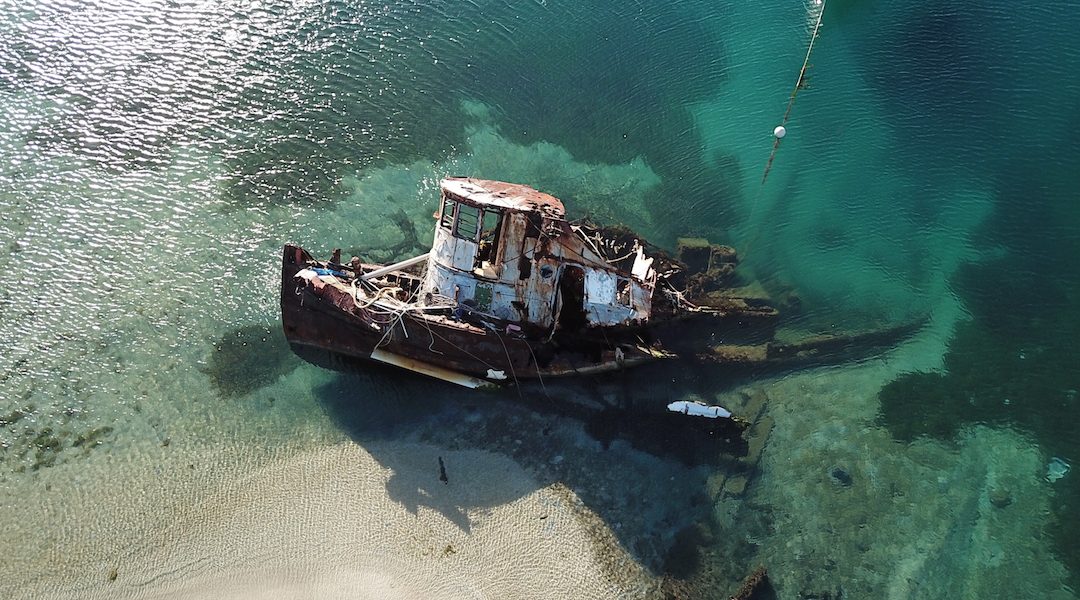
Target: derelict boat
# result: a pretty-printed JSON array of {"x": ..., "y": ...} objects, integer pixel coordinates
[{"x": 512, "y": 290}]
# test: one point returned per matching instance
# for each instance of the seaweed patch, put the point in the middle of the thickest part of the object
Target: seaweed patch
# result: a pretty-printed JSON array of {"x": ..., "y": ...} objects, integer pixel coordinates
[
  {"x": 1013, "y": 365},
  {"x": 249, "y": 358}
]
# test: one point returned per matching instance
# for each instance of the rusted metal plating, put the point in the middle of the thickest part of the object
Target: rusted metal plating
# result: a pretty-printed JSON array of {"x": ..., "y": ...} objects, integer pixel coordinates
[{"x": 508, "y": 251}]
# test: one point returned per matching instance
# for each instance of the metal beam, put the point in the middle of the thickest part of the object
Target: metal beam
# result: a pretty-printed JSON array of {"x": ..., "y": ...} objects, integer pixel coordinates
[{"x": 395, "y": 267}]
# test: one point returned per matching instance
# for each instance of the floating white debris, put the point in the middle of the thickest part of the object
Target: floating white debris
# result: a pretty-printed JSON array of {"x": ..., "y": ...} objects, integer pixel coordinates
[
  {"x": 1057, "y": 469},
  {"x": 697, "y": 408}
]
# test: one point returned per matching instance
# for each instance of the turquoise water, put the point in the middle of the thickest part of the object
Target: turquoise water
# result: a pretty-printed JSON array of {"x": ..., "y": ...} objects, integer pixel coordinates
[{"x": 157, "y": 154}]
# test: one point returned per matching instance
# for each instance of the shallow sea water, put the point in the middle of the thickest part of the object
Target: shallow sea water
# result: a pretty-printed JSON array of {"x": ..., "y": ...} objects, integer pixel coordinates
[{"x": 155, "y": 156}]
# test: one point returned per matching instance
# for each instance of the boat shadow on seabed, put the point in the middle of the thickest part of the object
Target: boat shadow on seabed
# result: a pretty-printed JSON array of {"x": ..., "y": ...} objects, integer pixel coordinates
[{"x": 671, "y": 487}]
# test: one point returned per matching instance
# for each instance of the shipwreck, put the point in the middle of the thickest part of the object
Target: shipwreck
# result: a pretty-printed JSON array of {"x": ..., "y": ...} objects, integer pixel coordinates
[{"x": 512, "y": 290}]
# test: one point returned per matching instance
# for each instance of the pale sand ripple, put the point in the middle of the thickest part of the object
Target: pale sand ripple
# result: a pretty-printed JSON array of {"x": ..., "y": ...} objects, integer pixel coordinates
[{"x": 322, "y": 524}]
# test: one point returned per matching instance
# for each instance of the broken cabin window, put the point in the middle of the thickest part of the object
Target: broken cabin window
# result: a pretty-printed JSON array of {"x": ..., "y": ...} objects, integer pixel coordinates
[
  {"x": 489, "y": 237},
  {"x": 447, "y": 219},
  {"x": 532, "y": 225},
  {"x": 490, "y": 231},
  {"x": 468, "y": 222},
  {"x": 623, "y": 293}
]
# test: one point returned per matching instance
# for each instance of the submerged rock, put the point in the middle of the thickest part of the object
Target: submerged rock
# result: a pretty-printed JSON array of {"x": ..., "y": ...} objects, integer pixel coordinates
[
  {"x": 15, "y": 416},
  {"x": 1000, "y": 497},
  {"x": 92, "y": 438},
  {"x": 840, "y": 477},
  {"x": 1056, "y": 469}
]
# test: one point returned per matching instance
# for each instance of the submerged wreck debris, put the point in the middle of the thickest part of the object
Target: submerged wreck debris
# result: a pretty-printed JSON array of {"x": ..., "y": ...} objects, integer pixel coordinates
[
  {"x": 699, "y": 409},
  {"x": 511, "y": 290},
  {"x": 410, "y": 238},
  {"x": 712, "y": 265},
  {"x": 688, "y": 431},
  {"x": 691, "y": 440}
]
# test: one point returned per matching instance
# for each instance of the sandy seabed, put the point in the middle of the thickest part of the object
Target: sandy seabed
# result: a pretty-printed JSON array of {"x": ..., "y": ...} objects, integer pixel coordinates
[
  {"x": 317, "y": 524},
  {"x": 856, "y": 514}
]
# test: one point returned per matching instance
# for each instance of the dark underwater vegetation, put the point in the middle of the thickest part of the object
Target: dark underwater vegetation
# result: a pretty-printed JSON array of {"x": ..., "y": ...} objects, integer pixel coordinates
[
  {"x": 1014, "y": 363},
  {"x": 249, "y": 358}
]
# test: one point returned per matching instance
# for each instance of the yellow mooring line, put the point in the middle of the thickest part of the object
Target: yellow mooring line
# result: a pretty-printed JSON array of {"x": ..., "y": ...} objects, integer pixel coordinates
[{"x": 781, "y": 129}]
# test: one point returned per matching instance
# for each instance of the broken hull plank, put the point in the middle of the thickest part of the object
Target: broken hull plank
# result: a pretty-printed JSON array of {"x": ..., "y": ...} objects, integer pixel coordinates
[{"x": 820, "y": 349}]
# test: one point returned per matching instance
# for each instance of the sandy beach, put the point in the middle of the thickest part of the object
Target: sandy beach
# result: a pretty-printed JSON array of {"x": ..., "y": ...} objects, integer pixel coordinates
[{"x": 325, "y": 523}]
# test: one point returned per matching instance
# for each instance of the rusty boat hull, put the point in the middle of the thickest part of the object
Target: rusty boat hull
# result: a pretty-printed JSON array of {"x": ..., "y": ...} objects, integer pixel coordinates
[
  {"x": 328, "y": 318},
  {"x": 324, "y": 323}
]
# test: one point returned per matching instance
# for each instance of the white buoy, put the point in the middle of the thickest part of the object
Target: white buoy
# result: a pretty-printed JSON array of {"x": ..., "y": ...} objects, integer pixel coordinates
[{"x": 779, "y": 132}]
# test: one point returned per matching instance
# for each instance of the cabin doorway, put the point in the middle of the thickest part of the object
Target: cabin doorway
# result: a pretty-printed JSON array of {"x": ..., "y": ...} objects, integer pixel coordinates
[{"x": 572, "y": 299}]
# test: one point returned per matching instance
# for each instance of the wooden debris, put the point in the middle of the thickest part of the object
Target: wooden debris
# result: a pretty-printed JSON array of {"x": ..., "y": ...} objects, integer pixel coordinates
[{"x": 734, "y": 482}]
